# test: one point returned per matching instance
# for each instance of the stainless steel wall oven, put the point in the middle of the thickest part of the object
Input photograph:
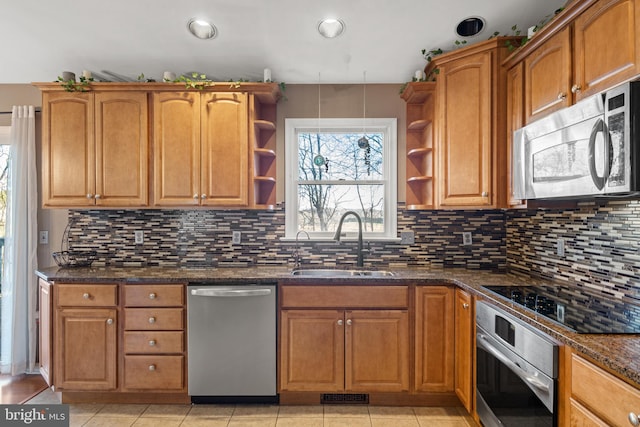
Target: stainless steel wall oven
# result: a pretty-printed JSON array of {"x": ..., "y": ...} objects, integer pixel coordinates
[{"x": 517, "y": 371}]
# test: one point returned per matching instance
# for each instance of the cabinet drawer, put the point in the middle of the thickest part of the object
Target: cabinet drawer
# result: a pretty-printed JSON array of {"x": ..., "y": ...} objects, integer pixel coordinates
[
  {"x": 153, "y": 342},
  {"x": 154, "y": 319},
  {"x": 614, "y": 399},
  {"x": 154, "y": 295},
  {"x": 154, "y": 372},
  {"x": 311, "y": 296},
  {"x": 86, "y": 295}
]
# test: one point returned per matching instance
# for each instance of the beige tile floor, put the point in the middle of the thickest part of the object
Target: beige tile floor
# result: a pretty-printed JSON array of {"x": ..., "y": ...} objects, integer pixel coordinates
[{"x": 107, "y": 415}]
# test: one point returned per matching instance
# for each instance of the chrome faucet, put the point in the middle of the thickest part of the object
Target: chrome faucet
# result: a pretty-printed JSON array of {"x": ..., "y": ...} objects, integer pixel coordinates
[
  {"x": 296, "y": 254},
  {"x": 339, "y": 231}
]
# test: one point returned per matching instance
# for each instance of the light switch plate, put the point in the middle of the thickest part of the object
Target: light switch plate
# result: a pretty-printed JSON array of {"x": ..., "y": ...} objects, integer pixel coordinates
[{"x": 43, "y": 237}]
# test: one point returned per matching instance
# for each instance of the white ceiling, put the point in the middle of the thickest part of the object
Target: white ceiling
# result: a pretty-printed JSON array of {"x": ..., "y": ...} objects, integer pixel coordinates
[{"x": 40, "y": 39}]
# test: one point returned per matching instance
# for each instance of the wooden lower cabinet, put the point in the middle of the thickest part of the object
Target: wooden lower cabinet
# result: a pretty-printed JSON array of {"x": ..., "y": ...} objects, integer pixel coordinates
[
  {"x": 464, "y": 347},
  {"x": 336, "y": 350},
  {"x": 85, "y": 349},
  {"x": 434, "y": 339},
  {"x": 45, "y": 337}
]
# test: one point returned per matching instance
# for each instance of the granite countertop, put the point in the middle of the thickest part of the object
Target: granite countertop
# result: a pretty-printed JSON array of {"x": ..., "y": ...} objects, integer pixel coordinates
[{"x": 618, "y": 353}]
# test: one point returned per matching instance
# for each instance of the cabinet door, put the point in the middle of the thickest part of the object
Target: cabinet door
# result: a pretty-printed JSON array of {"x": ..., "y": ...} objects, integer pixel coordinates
[
  {"x": 515, "y": 120},
  {"x": 434, "y": 346},
  {"x": 312, "y": 350},
  {"x": 176, "y": 148},
  {"x": 548, "y": 77},
  {"x": 85, "y": 349},
  {"x": 68, "y": 149},
  {"x": 582, "y": 417},
  {"x": 464, "y": 344},
  {"x": 122, "y": 145},
  {"x": 377, "y": 351},
  {"x": 225, "y": 149},
  {"x": 45, "y": 332},
  {"x": 465, "y": 129},
  {"x": 607, "y": 45}
]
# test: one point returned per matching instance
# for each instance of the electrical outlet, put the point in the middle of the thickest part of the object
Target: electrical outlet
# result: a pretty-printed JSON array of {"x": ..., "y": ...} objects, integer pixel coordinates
[
  {"x": 407, "y": 238},
  {"x": 560, "y": 247},
  {"x": 466, "y": 238},
  {"x": 139, "y": 236},
  {"x": 43, "y": 238},
  {"x": 236, "y": 237},
  {"x": 560, "y": 313}
]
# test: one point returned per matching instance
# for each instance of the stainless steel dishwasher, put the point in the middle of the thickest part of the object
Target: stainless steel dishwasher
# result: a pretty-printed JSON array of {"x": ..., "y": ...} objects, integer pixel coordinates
[{"x": 232, "y": 343}]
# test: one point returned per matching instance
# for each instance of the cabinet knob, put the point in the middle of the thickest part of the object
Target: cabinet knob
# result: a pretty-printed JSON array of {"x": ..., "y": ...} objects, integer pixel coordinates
[
  {"x": 340, "y": 322},
  {"x": 349, "y": 322},
  {"x": 485, "y": 194},
  {"x": 86, "y": 295},
  {"x": 576, "y": 88},
  {"x": 109, "y": 321},
  {"x": 633, "y": 419},
  {"x": 465, "y": 305},
  {"x": 89, "y": 196},
  {"x": 203, "y": 196},
  {"x": 195, "y": 196},
  {"x": 97, "y": 196},
  {"x": 152, "y": 343},
  {"x": 152, "y": 320},
  {"x": 152, "y": 295},
  {"x": 152, "y": 367},
  {"x": 562, "y": 96}
]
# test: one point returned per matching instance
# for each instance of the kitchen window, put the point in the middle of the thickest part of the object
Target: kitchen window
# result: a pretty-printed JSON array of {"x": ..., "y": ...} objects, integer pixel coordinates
[{"x": 338, "y": 165}]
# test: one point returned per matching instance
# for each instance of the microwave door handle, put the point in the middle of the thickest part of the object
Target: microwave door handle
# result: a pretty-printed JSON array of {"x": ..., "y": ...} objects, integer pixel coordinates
[{"x": 598, "y": 127}]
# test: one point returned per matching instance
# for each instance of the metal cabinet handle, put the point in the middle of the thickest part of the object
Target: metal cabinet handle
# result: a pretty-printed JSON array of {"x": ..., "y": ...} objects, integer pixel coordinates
[
  {"x": 484, "y": 194},
  {"x": 349, "y": 322},
  {"x": 152, "y": 343},
  {"x": 562, "y": 96},
  {"x": 152, "y": 295},
  {"x": 340, "y": 322},
  {"x": 109, "y": 321},
  {"x": 203, "y": 196},
  {"x": 152, "y": 367},
  {"x": 152, "y": 320},
  {"x": 89, "y": 196},
  {"x": 97, "y": 196},
  {"x": 86, "y": 295},
  {"x": 465, "y": 305},
  {"x": 576, "y": 88},
  {"x": 633, "y": 419},
  {"x": 195, "y": 196}
]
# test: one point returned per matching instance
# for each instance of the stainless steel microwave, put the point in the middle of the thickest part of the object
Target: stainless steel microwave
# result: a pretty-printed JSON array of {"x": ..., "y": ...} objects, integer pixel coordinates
[{"x": 587, "y": 150}]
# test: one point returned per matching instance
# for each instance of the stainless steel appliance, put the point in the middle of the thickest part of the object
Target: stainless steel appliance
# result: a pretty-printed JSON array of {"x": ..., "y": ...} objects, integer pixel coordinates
[
  {"x": 574, "y": 307},
  {"x": 516, "y": 371},
  {"x": 232, "y": 343},
  {"x": 589, "y": 149}
]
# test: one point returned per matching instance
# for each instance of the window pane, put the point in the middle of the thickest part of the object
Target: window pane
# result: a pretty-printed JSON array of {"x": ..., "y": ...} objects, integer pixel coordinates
[
  {"x": 321, "y": 206},
  {"x": 335, "y": 156}
]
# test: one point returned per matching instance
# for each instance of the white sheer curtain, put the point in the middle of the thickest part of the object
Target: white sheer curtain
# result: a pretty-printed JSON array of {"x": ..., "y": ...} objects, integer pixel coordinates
[{"x": 18, "y": 335}]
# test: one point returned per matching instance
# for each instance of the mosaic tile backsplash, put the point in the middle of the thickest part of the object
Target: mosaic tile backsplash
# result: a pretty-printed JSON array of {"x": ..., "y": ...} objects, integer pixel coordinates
[
  {"x": 601, "y": 245},
  {"x": 202, "y": 238}
]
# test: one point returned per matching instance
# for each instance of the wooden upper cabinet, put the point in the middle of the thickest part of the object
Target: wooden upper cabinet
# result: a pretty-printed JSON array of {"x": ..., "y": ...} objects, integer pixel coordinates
[
  {"x": 465, "y": 132},
  {"x": 606, "y": 46},
  {"x": 548, "y": 77},
  {"x": 95, "y": 149},
  {"x": 176, "y": 148},
  {"x": 225, "y": 149},
  {"x": 68, "y": 149},
  {"x": 515, "y": 120},
  {"x": 122, "y": 149}
]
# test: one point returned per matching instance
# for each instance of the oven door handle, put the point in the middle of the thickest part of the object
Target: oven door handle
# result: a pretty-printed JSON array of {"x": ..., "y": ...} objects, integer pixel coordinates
[{"x": 484, "y": 343}]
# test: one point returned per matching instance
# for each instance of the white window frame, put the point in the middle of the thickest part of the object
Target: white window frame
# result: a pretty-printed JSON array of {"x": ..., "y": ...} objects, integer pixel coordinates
[{"x": 387, "y": 126}]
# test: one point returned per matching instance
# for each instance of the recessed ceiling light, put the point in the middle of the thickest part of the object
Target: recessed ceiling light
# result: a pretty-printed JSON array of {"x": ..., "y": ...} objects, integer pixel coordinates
[
  {"x": 331, "y": 27},
  {"x": 470, "y": 27},
  {"x": 202, "y": 29}
]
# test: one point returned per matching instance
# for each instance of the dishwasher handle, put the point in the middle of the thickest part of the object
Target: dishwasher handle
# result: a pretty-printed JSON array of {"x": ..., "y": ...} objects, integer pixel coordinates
[{"x": 227, "y": 292}]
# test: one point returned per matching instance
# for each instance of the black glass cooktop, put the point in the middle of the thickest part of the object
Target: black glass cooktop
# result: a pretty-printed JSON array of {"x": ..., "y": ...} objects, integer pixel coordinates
[{"x": 575, "y": 308}]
